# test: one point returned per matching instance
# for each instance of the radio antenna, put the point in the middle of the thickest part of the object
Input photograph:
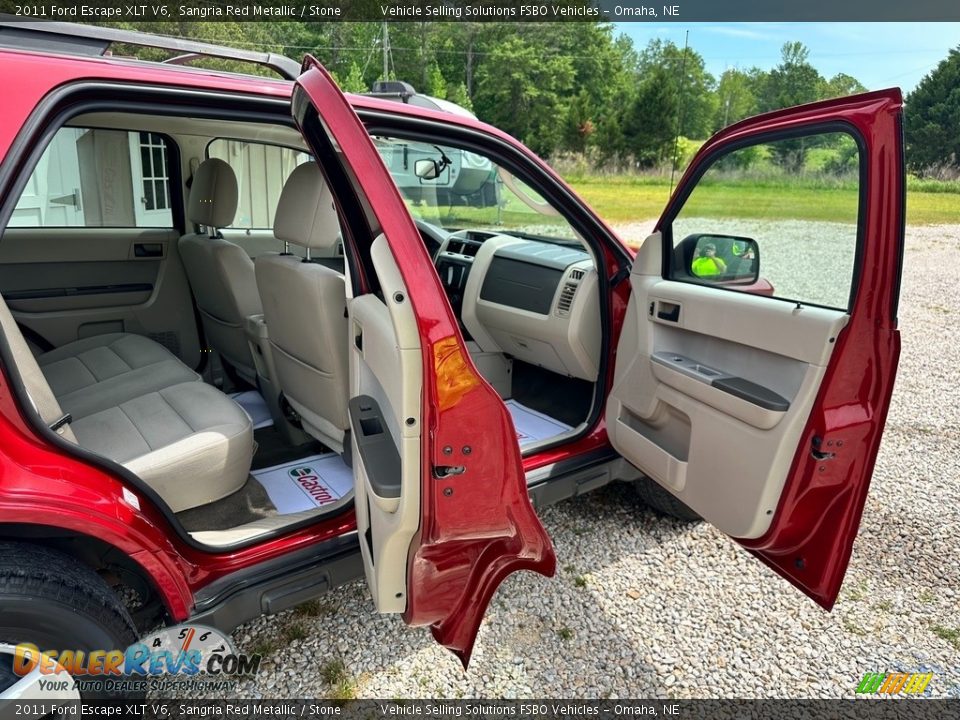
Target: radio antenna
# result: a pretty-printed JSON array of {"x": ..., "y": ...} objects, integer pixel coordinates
[{"x": 680, "y": 108}]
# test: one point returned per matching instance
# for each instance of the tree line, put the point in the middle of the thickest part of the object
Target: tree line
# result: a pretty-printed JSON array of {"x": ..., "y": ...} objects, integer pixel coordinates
[{"x": 578, "y": 87}]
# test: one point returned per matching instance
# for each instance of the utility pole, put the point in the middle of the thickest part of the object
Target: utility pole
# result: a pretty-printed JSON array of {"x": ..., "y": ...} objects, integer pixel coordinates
[{"x": 386, "y": 52}]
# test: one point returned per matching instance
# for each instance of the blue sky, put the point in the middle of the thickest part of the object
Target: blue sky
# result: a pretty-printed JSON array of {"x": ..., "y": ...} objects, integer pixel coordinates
[{"x": 878, "y": 54}]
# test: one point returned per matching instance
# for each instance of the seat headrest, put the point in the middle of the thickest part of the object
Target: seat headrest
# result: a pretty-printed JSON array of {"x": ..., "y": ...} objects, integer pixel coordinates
[
  {"x": 213, "y": 194},
  {"x": 306, "y": 215}
]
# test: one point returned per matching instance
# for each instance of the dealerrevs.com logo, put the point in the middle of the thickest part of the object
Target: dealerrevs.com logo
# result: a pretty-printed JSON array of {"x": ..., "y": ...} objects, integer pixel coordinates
[{"x": 175, "y": 658}]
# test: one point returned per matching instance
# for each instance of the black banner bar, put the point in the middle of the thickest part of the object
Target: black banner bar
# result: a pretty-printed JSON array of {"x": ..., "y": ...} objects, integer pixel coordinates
[
  {"x": 321, "y": 709},
  {"x": 659, "y": 11}
]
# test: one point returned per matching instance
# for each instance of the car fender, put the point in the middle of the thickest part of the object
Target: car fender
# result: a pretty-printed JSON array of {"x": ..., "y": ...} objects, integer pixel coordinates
[{"x": 42, "y": 488}]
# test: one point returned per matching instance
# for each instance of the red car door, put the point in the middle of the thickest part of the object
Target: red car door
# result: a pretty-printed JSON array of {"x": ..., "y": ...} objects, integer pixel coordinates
[
  {"x": 436, "y": 546},
  {"x": 764, "y": 414}
]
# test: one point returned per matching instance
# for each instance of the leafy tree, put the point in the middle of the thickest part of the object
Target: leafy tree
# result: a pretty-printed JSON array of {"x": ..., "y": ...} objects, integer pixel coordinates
[
  {"x": 684, "y": 76},
  {"x": 353, "y": 82},
  {"x": 458, "y": 94},
  {"x": 523, "y": 91},
  {"x": 932, "y": 118},
  {"x": 435, "y": 84},
  {"x": 842, "y": 85},
  {"x": 649, "y": 123},
  {"x": 736, "y": 98},
  {"x": 579, "y": 127},
  {"x": 793, "y": 82}
]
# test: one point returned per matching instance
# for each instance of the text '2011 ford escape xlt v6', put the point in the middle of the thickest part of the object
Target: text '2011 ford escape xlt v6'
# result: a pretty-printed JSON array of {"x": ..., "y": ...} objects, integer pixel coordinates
[{"x": 260, "y": 338}]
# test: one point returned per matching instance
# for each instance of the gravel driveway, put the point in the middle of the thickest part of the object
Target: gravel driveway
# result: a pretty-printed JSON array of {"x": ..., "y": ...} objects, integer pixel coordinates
[{"x": 644, "y": 606}]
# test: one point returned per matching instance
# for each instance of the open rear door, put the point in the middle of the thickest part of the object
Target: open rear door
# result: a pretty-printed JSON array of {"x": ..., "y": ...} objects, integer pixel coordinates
[
  {"x": 441, "y": 500},
  {"x": 759, "y": 351}
]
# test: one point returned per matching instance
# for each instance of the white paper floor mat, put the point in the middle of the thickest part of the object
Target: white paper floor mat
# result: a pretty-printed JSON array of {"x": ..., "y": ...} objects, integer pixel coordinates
[
  {"x": 305, "y": 484},
  {"x": 533, "y": 426},
  {"x": 255, "y": 407}
]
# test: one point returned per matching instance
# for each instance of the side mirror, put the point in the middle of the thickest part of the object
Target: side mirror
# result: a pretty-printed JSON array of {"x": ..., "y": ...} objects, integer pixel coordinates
[
  {"x": 722, "y": 259},
  {"x": 427, "y": 169}
]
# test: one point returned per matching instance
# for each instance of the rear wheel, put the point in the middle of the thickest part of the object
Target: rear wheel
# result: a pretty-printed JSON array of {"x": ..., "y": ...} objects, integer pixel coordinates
[
  {"x": 55, "y": 602},
  {"x": 663, "y": 501}
]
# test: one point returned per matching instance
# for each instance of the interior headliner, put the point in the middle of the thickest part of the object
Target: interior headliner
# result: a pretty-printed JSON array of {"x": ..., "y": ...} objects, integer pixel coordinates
[{"x": 203, "y": 127}]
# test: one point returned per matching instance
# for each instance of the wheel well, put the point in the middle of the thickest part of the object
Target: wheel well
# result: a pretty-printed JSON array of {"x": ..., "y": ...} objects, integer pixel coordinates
[{"x": 132, "y": 583}]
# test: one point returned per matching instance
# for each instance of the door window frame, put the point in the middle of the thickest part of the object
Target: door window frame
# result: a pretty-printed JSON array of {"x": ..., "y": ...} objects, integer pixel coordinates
[{"x": 689, "y": 184}]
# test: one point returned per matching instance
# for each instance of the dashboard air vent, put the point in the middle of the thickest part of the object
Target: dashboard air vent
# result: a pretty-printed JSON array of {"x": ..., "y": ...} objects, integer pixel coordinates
[
  {"x": 577, "y": 275},
  {"x": 566, "y": 298}
]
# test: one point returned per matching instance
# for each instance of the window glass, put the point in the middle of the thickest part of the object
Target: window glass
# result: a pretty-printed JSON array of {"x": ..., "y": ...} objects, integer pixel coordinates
[
  {"x": 778, "y": 218},
  {"x": 261, "y": 172},
  {"x": 456, "y": 189},
  {"x": 98, "y": 178}
]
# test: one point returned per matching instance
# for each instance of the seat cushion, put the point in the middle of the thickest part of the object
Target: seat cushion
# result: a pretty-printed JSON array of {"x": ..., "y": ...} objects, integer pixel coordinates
[
  {"x": 100, "y": 372},
  {"x": 190, "y": 442}
]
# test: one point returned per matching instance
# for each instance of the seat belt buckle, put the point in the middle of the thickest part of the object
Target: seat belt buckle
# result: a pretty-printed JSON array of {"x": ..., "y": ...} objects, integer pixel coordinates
[{"x": 60, "y": 422}]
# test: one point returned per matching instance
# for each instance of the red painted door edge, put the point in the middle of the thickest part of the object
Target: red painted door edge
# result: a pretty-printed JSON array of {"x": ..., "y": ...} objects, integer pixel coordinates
[{"x": 477, "y": 527}]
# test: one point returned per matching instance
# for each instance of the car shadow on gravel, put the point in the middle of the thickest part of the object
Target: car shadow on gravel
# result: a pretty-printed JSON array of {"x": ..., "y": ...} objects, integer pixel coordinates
[{"x": 536, "y": 638}]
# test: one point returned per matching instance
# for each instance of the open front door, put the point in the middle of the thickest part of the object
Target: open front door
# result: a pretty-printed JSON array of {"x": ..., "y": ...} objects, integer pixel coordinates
[
  {"x": 441, "y": 500},
  {"x": 759, "y": 350}
]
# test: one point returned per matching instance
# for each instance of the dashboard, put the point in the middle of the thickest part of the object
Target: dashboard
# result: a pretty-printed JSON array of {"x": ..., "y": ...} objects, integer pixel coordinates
[{"x": 534, "y": 300}]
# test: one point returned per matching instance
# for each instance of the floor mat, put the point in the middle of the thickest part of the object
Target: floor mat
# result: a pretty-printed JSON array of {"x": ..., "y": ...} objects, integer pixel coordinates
[
  {"x": 274, "y": 449},
  {"x": 247, "y": 504},
  {"x": 532, "y": 426},
  {"x": 255, "y": 407},
  {"x": 307, "y": 483}
]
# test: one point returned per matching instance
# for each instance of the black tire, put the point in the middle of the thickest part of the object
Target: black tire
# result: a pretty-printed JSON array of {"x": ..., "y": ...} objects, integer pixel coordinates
[
  {"x": 663, "y": 501},
  {"x": 55, "y": 602}
]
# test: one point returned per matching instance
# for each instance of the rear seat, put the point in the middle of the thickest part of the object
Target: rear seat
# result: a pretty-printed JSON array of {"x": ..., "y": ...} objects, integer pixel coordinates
[
  {"x": 132, "y": 401},
  {"x": 103, "y": 371},
  {"x": 189, "y": 442}
]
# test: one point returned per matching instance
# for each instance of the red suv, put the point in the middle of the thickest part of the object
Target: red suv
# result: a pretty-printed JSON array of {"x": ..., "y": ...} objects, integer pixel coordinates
[{"x": 241, "y": 367}]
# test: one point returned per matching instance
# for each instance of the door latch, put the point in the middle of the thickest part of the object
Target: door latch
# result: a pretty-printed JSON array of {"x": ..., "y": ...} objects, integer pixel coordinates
[
  {"x": 444, "y": 471},
  {"x": 818, "y": 454}
]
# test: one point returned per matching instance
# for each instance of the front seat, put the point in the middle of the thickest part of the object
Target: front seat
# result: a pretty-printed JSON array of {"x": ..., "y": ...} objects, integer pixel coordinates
[
  {"x": 221, "y": 274},
  {"x": 304, "y": 305}
]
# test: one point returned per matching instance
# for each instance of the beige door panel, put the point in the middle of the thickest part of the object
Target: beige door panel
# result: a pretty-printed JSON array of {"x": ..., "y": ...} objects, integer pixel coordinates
[
  {"x": 386, "y": 365},
  {"x": 78, "y": 244},
  {"x": 144, "y": 287},
  {"x": 724, "y": 452}
]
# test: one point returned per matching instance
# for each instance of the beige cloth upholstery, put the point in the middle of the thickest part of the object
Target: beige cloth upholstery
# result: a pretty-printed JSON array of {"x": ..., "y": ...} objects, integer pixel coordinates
[
  {"x": 221, "y": 274},
  {"x": 99, "y": 372},
  {"x": 222, "y": 278},
  {"x": 306, "y": 216},
  {"x": 213, "y": 194},
  {"x": 304, "y": 304},
  {"x": 190, "y": 442}
]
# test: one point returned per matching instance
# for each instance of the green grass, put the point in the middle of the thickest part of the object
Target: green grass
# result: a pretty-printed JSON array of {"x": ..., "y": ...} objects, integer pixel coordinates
[
  {"x": 313, "y": 608},
  {"x": 951, "y": 635},
  {"x": 292, "y": 632},
  {"x": 265, "y": 647},
  {"x": 342, "y": 686},
  {"x": 619, "y": 199}
]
